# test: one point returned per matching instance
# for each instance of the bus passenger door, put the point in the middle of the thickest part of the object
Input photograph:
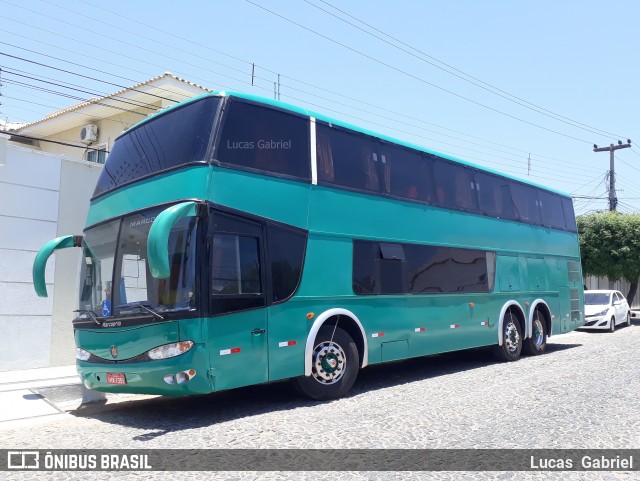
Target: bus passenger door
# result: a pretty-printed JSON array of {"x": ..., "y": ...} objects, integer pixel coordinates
[{"x": 237, "y": 331}]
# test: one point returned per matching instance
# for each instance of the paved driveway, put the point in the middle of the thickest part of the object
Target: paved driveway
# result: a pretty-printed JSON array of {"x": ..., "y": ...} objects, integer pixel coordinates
[{"x": 583, "y": 393}]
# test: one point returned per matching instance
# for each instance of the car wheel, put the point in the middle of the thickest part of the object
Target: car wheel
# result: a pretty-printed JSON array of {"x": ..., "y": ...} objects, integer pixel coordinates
[
  {"x": 537, "y": 343},
  {"x": 612, "y": 324},
  {"x": 628, "y": 323},
  {"x": 334, "y": 365},
  {"x": 511, "y": 339}
]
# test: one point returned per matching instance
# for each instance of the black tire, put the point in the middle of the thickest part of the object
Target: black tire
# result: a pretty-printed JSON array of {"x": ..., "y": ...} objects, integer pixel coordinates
[
  {"x": 628, "y": 323},
  {"x": 537, "y": 343},
  {"x": 612, "y": 324},
  {"x": 334, "y": 366},
  {"x": 511, "y": 339}
]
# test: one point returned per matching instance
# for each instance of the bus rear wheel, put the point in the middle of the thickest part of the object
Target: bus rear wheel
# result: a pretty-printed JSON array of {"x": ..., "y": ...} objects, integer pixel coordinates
[
  {"x": 511, "y": 339},
  {"x": 537, "y": 343},
  {"x": 334, "y": 365}
]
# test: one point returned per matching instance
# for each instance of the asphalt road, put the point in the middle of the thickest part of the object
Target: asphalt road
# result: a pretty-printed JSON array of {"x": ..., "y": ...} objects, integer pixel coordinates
[{"x": 583, "y": 393}]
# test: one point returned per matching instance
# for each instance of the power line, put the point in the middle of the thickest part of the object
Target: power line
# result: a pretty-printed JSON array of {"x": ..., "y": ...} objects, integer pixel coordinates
[
  {"x": 118, "y": 53},
  {"x": 93, "y": 69},
  {"x": 87, "y": 77},
  {"x": 475, "y": 81},
  {"x": 84, "y": 91},
  {"x": 394, "y": 120},
  {"x": 416, "y": 127},
  {"x": 492, "y": 154},
  {"x": 334, "y": 93},
  {"x": 93, "y": 32},
  {"x": 415, "y": 77},
  {"x": 28, "y": 137}
]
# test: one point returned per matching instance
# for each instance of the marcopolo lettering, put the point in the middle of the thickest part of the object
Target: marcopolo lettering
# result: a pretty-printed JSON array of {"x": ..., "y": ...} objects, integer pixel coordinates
[{"x": 139, "y": 222}]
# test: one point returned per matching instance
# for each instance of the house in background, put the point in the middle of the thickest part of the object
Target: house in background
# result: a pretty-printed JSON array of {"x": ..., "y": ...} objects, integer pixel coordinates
[{"x": 48, "y": 172}]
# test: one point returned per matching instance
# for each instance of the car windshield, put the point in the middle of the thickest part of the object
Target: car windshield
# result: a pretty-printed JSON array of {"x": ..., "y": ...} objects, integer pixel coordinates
[
  {"x": 115, "y": 279},
  {"x": 596, "y": 298}
]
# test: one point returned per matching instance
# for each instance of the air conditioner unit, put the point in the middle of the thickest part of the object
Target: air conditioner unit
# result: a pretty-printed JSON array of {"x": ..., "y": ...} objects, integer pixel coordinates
[{"x": 89, "y": 133}]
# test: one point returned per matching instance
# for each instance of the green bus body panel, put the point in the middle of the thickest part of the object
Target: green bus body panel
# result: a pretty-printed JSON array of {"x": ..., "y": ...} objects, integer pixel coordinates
[
  {"x": 260, "y": 195},
  {"x": 362, "y": 216},
  {"x": 158, "y": 241},
  {"x": 190, "y": 182},
  {"x": 130, "y": 341},
  {"x": 40, "y": 262},
  {"x": 249, "y": 365}
]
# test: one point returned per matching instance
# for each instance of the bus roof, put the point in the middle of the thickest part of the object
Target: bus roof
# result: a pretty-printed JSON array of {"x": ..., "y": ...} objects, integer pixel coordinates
[{"x": 310, "y": 113}]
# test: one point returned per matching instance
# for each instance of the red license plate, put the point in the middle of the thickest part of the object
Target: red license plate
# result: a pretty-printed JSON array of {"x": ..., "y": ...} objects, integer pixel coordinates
[{"x": 116, "y": 378}]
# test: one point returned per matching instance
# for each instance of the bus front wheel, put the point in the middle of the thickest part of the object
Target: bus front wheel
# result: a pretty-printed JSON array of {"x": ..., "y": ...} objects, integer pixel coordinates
[
  {"x": 511, "y": 339},
  {"x": 334, "y": 365}
]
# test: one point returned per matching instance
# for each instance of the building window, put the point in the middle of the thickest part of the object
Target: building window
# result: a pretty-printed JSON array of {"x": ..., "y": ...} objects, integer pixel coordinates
[{"x": 97, "y": 154}]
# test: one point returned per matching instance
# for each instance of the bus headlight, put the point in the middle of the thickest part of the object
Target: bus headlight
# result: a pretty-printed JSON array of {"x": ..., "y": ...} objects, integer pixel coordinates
[
  {"x": 82, "y": 355},
  {"x": 170, "y": 350}
]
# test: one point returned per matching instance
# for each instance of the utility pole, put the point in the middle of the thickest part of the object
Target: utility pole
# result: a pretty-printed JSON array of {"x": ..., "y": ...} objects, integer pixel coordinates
[{"x": 613, "y": 200}]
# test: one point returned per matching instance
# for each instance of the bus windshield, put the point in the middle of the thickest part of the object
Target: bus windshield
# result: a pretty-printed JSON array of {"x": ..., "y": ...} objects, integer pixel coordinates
[{"x": 115, "y": 278}]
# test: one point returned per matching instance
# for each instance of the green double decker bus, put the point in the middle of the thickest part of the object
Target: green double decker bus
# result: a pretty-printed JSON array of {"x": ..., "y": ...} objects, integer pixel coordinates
[{"x": 234, "y": 240}]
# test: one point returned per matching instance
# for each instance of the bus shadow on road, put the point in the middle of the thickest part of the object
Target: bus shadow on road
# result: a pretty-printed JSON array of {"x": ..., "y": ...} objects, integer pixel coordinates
[{"x": 162, "y": 415}]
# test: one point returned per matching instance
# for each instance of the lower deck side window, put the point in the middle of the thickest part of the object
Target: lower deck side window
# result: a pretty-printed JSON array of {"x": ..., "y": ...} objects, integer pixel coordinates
[{"x": 421, "y": 269}]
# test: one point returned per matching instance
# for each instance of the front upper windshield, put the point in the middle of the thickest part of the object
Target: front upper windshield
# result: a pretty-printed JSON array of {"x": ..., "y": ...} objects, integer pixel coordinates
[
  {"x": 173, "y": 138},
  {"x": 115, "y": 278},
  {"x": 596, "y": 299}
]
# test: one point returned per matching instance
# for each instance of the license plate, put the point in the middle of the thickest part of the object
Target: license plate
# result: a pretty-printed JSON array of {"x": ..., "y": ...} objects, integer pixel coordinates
[{"x": 116, "y": 378}]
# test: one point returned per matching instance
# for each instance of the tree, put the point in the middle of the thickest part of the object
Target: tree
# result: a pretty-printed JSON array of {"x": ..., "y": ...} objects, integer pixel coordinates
[{"x": 610, "y": 247}]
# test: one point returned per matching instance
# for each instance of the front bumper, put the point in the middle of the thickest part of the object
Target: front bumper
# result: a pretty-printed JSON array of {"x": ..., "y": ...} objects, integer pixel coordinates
[
  {"x": 597, "y": 322},
  {"x": 149, "y": 377}
]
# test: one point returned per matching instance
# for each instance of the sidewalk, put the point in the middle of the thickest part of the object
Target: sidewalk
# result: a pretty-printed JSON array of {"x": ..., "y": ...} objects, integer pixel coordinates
[{"x": 22, "y": 399}]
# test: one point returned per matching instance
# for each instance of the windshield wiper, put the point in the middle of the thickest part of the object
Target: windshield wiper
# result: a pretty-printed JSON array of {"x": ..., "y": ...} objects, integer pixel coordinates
[
  {"x": 90, "y": 314},
  {"x": 143, "y": 306}
]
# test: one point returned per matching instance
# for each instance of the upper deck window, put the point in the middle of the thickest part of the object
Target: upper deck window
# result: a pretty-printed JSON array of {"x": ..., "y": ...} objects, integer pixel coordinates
[
  {"x": 551, "y": 210},
  {"x": 526, "y": 202},
  {"x": 175, "y": 138},
  {"x": 348, "y": 159},
  {"x": 265, "y": 139}
]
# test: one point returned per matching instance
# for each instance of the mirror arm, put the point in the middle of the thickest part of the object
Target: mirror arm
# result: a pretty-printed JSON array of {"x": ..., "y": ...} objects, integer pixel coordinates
[{"x": 40, "y": 262}]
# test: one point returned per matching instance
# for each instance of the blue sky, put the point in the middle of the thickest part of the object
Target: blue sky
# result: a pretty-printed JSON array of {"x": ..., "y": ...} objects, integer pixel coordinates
[{"x": 576, "y": 59}]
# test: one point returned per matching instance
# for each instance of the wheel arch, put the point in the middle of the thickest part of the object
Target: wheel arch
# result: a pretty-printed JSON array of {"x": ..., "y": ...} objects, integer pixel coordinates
[
  {"x": 542, "y": 305},
  {"x": 347, "y": 321},
  {"x": 515, "y": 305}
]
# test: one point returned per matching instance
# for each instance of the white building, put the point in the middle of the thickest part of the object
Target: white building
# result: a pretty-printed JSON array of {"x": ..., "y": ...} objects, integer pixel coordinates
[{"x": 45, "y": 187}]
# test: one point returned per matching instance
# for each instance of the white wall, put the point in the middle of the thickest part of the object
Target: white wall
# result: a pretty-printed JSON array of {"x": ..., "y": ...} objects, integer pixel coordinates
[
  {"x": 42, "y": 196},
  {"x": 29, "y": 192}
]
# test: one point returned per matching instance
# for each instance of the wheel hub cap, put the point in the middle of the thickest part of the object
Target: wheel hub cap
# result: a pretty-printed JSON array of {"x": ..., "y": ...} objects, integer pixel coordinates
[
  {"x": 511, "y": 337},
  {"x": 538, "y": 338},
  {"x": 329, "y": 362}
]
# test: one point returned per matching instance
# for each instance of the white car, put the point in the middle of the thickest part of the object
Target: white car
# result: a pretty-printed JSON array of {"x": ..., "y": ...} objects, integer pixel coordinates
[{"x": 605, "y": 310}]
